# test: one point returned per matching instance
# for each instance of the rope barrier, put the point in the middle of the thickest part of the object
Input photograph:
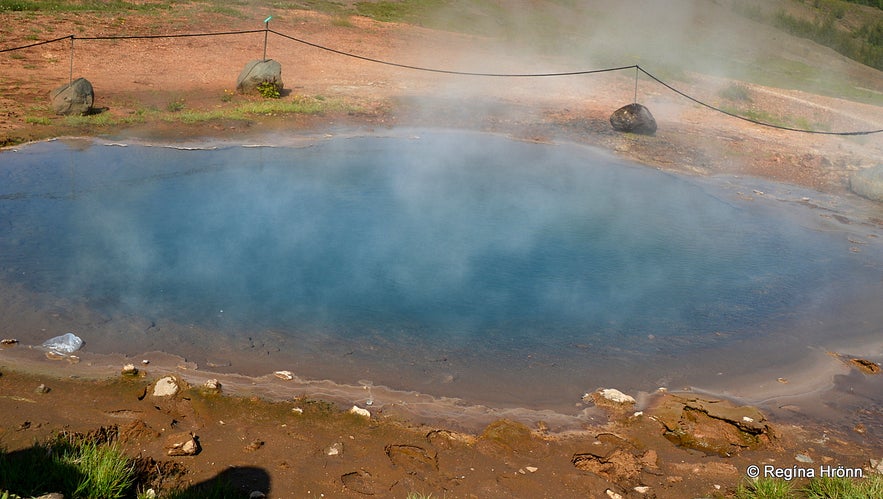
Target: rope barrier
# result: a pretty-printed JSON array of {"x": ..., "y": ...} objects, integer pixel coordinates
[
  {"x": 267, "y": 30},
  {"x": 179, "y": 35},
  {"x": 756, "y": 122},
  {"x": 447, "y": 71},
  {"x": 36, "y": 44}
]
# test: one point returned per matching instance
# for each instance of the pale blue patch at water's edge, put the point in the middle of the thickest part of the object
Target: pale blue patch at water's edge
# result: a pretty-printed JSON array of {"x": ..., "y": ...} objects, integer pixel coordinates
[{"x": 450, "y": 239}]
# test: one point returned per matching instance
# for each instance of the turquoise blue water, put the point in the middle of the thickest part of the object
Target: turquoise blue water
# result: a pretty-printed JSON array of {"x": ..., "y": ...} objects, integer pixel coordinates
[{"x": 452, "y": 242}]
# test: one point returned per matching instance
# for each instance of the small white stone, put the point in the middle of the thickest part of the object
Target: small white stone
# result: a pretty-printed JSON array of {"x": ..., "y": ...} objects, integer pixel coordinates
[
  {"x": 360, "y": 412},
  {"x": 747, "y": 419},
  {"x": 803, "y": 458},
  {"x": 613, "y": 495},
  {"x": 145, "y": 362},
  {"x": 531, "y": 469},
  {"x": 297, "y": 410},
  {"x": 614, "y": 395},
  {"x": 638, "y": 414},
  {"x": 212, "y": 384},
  {"x": 286, "y": 375},
  {"x": 165, "y": 387},
  {"x": 334, "y": 450},
  {"x": 642, "y": 489},
  {"x": 130, "y": 369},
  {"x": 257, "y": 494}
]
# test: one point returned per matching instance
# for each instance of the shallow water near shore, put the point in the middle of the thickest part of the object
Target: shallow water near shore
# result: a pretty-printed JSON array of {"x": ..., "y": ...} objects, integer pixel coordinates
[{"x": 455, "y": 264}]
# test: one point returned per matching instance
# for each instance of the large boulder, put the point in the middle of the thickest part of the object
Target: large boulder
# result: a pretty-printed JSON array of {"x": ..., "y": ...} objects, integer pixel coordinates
[
  {"x": 868, "y": 182},
  {"x": 256, "y": 72},
  {"x": 74, "y": 98},
  {"x": 633, "y": 118}
]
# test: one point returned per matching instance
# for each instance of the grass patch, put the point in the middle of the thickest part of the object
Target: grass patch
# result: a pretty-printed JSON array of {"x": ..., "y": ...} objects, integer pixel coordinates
[
  {"x": 79, "y": 467},
  {"x": 38, "y": 120},
  {"x": 103, "y": 120},
  {"x": 216, "y": 489},
  {"x": 243, "y": 111},
  {"x": 765, "y": 488},
  {"x": 82, "y": 5},
  {"x": 91, "y": 467},
  {"x": 175, "y": 106},
  {"x": 844, "y": 488},
  {"x": 870, "y": 487},
  {"x": 735, "y": 92}
]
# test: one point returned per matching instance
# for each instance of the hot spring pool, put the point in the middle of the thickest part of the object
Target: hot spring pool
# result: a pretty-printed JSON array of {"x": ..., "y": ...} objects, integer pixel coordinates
[{"x": 455, "y": 264}]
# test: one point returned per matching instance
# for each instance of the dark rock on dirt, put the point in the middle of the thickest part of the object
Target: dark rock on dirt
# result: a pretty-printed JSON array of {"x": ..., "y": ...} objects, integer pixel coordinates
[
  {"x": 74, "y": 98},
  {"x": 633, "y": 118}
]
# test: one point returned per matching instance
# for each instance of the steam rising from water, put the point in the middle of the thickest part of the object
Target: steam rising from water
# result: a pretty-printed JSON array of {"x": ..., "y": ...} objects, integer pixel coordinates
[{"x": 469, "y": 257}]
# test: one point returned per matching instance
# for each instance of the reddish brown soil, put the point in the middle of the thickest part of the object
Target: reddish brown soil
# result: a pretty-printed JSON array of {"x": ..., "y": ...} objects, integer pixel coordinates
[{"x": 265, "y": 446}]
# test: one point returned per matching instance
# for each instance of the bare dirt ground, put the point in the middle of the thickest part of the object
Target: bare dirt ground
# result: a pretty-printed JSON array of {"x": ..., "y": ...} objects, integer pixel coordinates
[{"x": 269, "y": 447}]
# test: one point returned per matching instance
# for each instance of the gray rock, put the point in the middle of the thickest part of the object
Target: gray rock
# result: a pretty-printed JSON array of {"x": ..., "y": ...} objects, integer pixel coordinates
[
  {"x": 633, "y": 118},
  {"x": 75, "y": 97},
  {"x": 256, "y": 72},
  {"x": 868, "y": 183}
]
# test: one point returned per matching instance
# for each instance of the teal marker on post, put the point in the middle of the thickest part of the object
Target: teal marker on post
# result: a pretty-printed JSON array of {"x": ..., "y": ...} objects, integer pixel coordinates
[{"x": 266, "y": 32}]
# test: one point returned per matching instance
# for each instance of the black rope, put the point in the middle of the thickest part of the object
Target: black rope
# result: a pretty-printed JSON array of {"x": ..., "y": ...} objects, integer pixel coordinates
[
  {"x": 180, "y": 35},
  {"x": 447, "y": 71},
  {"x": 452, "y": 72},
  {"x": 573, "y": 73},
  {"x": 36, "y": 44},
  {"x": 756, "y": 122}
]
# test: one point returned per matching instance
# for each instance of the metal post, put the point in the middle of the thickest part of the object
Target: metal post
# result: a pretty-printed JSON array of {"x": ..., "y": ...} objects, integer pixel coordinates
[
  {"x": 71, "y": 76},
  {"x": 266, "y": 32},
  {"x": 636, "y": 84}
]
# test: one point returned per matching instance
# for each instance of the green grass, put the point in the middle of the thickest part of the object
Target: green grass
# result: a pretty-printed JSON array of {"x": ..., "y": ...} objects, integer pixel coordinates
[
  {"x": 81, "y": 6},
  {"x": 388, "y": 11},
  {"x": 38, "y": 120},
  {"x": 246, "y": 110},
  {"x": 74, "y": 466},
  {"x": 735, "y": 92},
  {"x": 870, "y": 487},
  {"x": 216, "y": 489},
  {"x": 765, "y": 488},
  {"x": 102, "y": 120},
  {"x": 87, "y": 468},
  {"x": 845, "y": 488}
]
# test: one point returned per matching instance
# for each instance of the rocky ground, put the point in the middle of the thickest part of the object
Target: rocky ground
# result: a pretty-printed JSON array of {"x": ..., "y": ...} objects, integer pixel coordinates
[{"x": 678, "y": 447}]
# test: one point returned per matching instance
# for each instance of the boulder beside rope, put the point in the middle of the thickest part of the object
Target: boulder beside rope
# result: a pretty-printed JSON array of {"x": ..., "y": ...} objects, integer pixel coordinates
[
  {"x": 73, "y": 98},
  {"x": 257, "y": 72},
  {"x": 633, "y": 118}
]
